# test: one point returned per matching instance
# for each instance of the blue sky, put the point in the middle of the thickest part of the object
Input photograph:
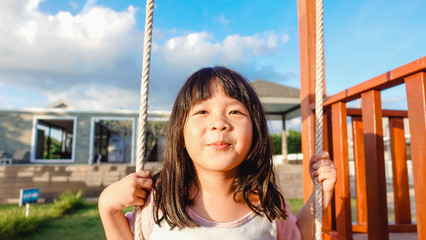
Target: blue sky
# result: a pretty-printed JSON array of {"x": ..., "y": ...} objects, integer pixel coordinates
[{"x": 89, "y": 52}]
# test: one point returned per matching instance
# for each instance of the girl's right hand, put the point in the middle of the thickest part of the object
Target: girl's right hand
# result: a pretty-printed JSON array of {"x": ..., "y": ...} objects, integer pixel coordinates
[{"x": 131, "y": 190}]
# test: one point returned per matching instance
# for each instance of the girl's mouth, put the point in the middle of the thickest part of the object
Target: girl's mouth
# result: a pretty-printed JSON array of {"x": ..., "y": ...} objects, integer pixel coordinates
[{"x": 219, "y": 145}]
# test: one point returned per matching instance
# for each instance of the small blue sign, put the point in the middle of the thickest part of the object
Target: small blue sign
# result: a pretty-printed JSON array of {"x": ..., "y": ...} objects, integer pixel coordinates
[{"x": 28, "y": 196}]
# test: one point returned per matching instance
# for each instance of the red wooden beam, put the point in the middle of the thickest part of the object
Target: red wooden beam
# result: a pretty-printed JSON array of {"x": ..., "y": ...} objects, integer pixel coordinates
[
  {"x": 393, "y": 228},
  {"x": 416, "y": 103},
  {"x": 359, "y": 163},
  {"x": 400, "y": 172},
  {"x": 306, "y": 20},
  {"x": 340, "y": 154},
  {"x": 328, "y": 215},
  {"x": 374, "y": 165},
  {"x": 356, "y": 112}
]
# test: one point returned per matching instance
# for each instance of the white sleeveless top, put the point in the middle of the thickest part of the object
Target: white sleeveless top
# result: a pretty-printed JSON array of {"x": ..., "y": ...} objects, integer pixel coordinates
[{"x": 249, "y": 227}]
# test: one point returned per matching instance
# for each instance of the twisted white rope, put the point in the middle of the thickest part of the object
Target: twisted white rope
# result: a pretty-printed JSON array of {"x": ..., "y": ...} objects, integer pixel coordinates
[
  {"x": 143, "y": 107},
  {"x": 319, "y": 89}
]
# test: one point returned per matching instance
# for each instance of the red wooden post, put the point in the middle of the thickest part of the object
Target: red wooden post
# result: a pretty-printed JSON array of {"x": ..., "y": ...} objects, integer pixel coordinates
[
  {"x": 340, "y": 155},
  {"x": 359, "y": 162},
  {"x": 374, "y": 165},
  {"x": 306, "y": 20},
  {"x": 416, "y": 102},
  {"x": 400, "y": 172},
  {"x": 327, "y": 219}
]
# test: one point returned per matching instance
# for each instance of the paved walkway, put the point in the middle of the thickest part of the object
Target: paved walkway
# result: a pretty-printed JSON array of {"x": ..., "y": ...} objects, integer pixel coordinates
[
  {"x": 392, "y": 236},
  {"x": 290, "y": 180}
]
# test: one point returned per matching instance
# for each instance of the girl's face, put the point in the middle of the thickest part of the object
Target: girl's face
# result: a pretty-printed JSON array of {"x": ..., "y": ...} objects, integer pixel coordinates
[{"x": 218, "y": 132}]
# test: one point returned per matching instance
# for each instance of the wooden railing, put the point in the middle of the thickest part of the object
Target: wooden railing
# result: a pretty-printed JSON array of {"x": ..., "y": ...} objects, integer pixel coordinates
[{"x": 368, "y": 148}]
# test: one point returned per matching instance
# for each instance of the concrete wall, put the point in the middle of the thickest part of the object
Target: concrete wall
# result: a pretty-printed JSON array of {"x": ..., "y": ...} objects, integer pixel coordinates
[
  {"x": 15, "y": 131},
  {"x": 290, "y": 179},
  {"x": 54, "y": 179},
  {"x": 92, "y": 179}
]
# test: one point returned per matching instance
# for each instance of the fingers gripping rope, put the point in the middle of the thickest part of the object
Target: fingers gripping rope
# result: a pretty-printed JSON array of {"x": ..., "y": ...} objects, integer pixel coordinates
[
  {"x": 143, "y": 108},
  {"x": 319, "y": 90}
]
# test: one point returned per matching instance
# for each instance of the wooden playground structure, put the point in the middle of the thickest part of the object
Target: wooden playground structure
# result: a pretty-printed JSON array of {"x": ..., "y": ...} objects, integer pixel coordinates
[{"x": 368, "y": 145}]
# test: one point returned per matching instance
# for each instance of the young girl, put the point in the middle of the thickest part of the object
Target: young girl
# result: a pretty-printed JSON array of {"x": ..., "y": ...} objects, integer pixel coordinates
[{"x": 217, "y": 180}]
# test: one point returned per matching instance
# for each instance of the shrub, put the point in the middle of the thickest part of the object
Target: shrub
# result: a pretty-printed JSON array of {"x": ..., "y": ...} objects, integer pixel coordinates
[
  {"x": 276, "y": 144},
  {"x": 14, "y": 224},
  {"x": 294, "y": 142},
  {"x": 68, "y": 202}
]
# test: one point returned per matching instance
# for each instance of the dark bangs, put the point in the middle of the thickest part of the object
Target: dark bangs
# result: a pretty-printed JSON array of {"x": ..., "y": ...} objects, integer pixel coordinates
[{"x": 198, "y": 87}]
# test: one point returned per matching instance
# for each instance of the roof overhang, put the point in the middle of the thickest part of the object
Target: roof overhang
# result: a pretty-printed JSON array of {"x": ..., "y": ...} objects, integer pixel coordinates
[{"x": 278, "y": 108}]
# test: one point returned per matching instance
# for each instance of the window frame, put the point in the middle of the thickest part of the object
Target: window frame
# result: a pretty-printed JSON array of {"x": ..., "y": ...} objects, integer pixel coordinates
[
  {"x": 92, "y": 136},
  {"x": 34, "y": 139}
]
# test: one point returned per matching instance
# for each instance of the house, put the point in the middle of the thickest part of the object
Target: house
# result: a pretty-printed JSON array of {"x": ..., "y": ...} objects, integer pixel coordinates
[{"x": 60, "y": 134}]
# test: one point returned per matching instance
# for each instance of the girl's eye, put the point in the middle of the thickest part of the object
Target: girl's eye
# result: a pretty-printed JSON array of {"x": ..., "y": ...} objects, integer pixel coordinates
[
  {"x": 235, "y": 112},
  {"x": 200, "y": 112}
]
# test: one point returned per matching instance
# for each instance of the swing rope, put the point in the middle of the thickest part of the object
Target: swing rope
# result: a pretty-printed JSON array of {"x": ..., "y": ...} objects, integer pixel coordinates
[
  {"x": 143, "y": 107},
  {"x": 319, "y": 90}
]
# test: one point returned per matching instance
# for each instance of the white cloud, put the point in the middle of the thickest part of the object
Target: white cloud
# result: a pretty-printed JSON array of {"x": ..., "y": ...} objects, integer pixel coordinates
[
  {"x": 294, "y": 124},
  {"x": 201, "y": 48},
  {"x": 93, "y": 58},
  {"x": 74, "y": 5},
  {"x": 260, "y": 44},
  {"x": 285, "y": 38},
  {"x": 195, "y": 47},
  {"x": 89, "y": 4},
  {"x": 29, "y": 31},
  {"x": 393, "y": 99},
  {"x": 63, "y": 42},
  {"x": 97, "y": 97},
  {"x": 32, "y": 4},
  {"x": 221, "y": 19},
  {"x": 276, "y": 126}
]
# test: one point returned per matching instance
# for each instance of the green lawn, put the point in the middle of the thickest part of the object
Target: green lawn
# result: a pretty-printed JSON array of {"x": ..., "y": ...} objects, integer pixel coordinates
[
  {"x": 84, "y": 223},
  {"x": 295, "y": 204}
]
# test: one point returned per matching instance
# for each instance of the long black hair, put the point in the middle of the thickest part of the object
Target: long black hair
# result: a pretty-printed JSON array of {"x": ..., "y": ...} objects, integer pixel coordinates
[{"x": 255, "y": 175}]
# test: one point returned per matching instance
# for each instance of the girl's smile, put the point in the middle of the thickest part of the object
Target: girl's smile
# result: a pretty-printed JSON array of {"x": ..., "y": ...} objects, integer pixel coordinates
[
  {"x": 218, "y": 132},
  {"x": 219, "y": 145}
]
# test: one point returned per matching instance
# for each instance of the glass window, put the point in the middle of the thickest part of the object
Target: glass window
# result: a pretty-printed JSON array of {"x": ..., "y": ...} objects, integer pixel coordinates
[
  {"x": 54, "y": 138},
  {"x": 113, "y": 140}
]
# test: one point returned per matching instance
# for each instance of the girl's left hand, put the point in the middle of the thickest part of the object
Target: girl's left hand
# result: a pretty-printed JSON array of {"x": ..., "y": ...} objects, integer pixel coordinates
[{"x": 324, "y": 170}]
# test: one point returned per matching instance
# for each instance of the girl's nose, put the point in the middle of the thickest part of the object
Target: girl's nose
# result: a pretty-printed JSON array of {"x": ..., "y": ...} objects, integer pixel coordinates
[{"x": 220, "y": 124}]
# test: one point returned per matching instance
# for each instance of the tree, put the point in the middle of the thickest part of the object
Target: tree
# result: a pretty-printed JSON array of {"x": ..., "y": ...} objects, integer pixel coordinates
[
  {"x": 294, "y": 142},
  {"x": 276, "y": 140}
]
